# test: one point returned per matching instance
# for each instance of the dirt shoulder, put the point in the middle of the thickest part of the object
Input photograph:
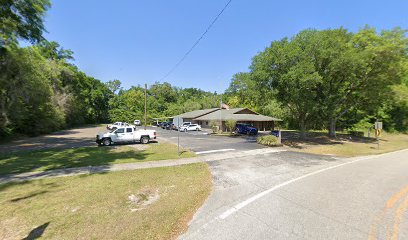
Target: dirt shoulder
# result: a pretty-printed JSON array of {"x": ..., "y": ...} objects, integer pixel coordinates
[{"x": 344, "y": 145}]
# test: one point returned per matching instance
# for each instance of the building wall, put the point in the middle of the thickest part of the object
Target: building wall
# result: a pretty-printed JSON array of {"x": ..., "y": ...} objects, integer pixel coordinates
[
  {"x": 204, "y": 124},
  {"x": 261, "y": 126}
]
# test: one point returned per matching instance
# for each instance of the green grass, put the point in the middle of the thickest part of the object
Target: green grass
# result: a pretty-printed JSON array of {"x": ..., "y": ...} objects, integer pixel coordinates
[
  {"x": 88, "y": 156},
  {"x": 388, "y": 143},
  {"x": 97, "y": 206}
]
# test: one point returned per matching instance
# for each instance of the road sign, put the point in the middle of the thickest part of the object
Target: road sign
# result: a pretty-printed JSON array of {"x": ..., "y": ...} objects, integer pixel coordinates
[{"x": 378, "y": 127}]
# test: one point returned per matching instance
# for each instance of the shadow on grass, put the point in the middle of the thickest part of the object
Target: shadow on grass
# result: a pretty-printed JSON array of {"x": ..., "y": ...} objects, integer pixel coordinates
[
  {"x": 59, "y": 159},
  {"x": 31, "y": 195},
  {"x": 293, "y": 139},
  {"x": 37, "y": 232}
]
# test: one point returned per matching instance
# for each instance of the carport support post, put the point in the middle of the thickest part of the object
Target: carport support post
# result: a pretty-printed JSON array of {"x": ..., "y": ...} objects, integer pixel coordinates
[{"x": 280, "y": 137}]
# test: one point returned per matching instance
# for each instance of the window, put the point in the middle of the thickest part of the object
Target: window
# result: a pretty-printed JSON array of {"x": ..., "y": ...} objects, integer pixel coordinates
[
  {"x": 120, "y": 130},
  {"x": 129, "y": 130},
  {"x": 206, "y": 123}
]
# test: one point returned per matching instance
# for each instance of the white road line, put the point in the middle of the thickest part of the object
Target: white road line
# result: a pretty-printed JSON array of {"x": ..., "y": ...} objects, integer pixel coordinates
[
  {"x": 259, "y": 195},
  {"x": 213, "y": 151}
]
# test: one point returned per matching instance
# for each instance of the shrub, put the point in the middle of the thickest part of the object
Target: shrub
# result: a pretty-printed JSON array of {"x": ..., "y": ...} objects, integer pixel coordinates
[
  {"x": 214, "y": 126},
  {"x": 268, "y": 140},
  {"x": 230, "y": 124}
]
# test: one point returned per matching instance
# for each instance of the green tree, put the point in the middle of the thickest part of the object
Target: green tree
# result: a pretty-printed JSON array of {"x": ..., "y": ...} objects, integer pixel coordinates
[
  {"x": 285, "y": 68},
  {"x": 358, "y": 70},
  {"x": 22, "y": 20}
]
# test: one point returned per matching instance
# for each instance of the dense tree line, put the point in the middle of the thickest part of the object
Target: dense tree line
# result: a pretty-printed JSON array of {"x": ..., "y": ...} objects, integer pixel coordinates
[
  {"x": 163, "y": 100},
  {"x": 40, "y": 89},
  {"x": 329, "y": 79}
]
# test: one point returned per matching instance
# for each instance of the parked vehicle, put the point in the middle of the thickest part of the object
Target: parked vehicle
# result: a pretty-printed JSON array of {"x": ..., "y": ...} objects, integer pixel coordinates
[
  {"x": 118, "y": 125},
  {"x": 275, "y": 133},
  {"x": 164, "y": 125},
  {"x": 137, "y": 123},
  {"x": 169, "y": 126},
  {"x": 125, "y": 135},
  {"x": 244, "y": 128},
  {"x": 190, "y": 127}
]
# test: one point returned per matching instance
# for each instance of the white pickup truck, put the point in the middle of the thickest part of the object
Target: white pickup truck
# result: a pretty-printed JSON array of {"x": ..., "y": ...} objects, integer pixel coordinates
[{"x": 125, "y": 135}]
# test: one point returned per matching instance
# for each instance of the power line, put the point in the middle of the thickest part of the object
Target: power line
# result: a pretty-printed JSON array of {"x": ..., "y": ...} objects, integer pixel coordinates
[{"x": 196, "y": 42}]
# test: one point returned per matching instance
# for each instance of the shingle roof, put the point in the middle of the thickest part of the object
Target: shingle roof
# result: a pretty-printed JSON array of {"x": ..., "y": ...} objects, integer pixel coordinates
[
  {"x": 225, "y": 114},
  {"x": 196, "y": 113}
]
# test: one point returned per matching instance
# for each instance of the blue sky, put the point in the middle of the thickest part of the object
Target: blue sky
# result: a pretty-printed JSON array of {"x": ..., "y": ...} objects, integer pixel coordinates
[{"x": 139, "y": 41}]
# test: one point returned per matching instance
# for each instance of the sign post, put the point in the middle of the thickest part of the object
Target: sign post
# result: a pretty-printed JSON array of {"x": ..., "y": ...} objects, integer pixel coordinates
[
  {"x": 178, "y": 121},
  {"x": 378, "y": 127}
]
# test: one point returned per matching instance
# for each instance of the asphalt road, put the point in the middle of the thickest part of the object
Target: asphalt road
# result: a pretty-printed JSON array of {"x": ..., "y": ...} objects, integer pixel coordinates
[
  {"x": 290, "y": 195},
  {"x": 202, "y": 142}
]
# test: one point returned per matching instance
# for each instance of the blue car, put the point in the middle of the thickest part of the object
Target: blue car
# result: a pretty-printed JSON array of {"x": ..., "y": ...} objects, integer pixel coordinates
[
  {"x": 275, "y": 133},
  {"x": 245, "y": 128}
]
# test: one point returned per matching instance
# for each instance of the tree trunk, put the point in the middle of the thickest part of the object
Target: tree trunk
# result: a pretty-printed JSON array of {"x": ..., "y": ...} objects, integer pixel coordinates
[
  {"x": 302, "y": 128},
  {"x": 332, "y": 128}
]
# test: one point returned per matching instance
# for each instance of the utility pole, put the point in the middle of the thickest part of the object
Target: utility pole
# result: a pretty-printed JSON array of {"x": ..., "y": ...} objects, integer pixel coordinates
[
  {"x": 220, "y": 105},
  {"x": 145, "y": 115}
]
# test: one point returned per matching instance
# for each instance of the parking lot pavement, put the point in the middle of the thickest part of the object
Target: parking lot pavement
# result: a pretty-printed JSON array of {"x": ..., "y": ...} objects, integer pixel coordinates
[
  {"x": 202, "y": 143},
  {"x": 72, "y": 138}
]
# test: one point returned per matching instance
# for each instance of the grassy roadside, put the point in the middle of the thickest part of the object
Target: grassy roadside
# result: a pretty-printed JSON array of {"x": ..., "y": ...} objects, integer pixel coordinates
[
  {"x": 86, "y": 156},
  {"x": 388, "y": 143},
  {"x": 139, "y": 204}
]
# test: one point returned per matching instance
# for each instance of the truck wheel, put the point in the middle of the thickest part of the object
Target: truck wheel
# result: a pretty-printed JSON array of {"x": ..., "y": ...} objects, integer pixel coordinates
[
  {"x": 106, "y": 142},
  {"x": 197, "y": 129},
  {"x": 144, "y": 140},
  {"x": 185, "y": 130}
]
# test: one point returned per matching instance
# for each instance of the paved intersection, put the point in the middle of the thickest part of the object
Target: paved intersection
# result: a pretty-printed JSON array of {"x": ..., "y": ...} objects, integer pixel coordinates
[{"x": 288, "y": 195}]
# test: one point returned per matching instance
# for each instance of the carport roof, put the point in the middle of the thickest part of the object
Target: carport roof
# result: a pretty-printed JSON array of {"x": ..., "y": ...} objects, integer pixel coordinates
[{"x": 196, "y": 113}]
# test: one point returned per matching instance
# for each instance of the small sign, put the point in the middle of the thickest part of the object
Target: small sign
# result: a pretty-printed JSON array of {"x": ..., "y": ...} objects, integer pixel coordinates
[
  {"x": 378, "y": 125},
  {"x": 178, "y": 121}
]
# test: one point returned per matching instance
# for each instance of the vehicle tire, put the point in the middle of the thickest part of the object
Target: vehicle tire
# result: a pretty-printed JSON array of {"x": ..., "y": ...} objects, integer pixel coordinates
[
  {"x": 197, "y": 129},
  {"x": 144, "y": 140},
  {"x": 106, "y": 142},
  {"x": 185, "y": 130},
  {"x": 237, "y": 130}
]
